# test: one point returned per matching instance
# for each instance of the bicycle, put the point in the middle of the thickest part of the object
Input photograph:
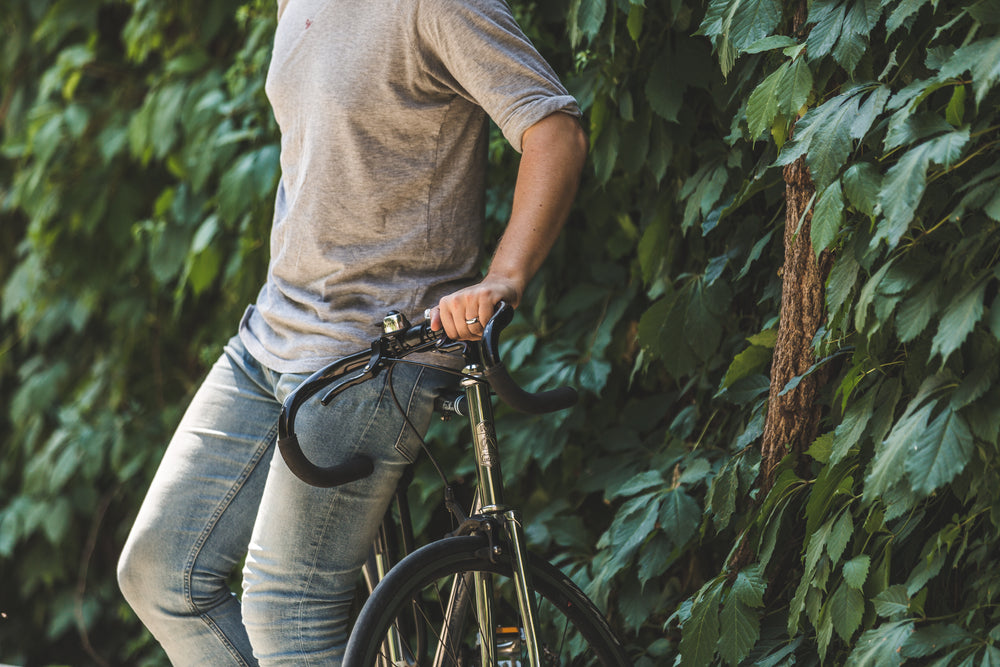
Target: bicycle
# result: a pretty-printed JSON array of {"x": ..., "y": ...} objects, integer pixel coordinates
[{"x": 476, "y": 596}]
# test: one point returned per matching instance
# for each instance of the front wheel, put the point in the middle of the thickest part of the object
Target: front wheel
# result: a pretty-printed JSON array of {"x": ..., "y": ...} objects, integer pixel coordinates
[{"x": 436, "y": 582}]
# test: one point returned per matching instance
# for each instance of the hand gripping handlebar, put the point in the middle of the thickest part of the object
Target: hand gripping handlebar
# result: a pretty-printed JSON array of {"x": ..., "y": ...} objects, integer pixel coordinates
[{"x": 386, "y": 349}]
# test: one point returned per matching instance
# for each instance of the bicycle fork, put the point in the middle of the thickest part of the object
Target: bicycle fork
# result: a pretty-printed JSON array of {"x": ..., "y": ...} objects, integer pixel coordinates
[{"x": 492, "y": 505}]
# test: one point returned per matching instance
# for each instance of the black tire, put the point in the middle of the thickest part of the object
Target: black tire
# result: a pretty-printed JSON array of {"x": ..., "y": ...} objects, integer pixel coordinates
[{"x": 573, "y": 632}]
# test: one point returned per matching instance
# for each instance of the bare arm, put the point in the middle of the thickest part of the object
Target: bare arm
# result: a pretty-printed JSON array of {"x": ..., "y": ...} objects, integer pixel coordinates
[{"x": 553, "y": 152}]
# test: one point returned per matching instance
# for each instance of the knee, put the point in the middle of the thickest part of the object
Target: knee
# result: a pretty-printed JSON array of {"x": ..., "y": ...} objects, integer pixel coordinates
[
  {"x": 143, "y": 576},
  {"x": 132, "y": 574}
]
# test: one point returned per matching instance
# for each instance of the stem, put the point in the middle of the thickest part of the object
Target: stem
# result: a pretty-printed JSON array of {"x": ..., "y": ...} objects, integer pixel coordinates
[
  {"x": 958, "y": 164},
  {"x": 81, "y": 581},
  {"x": 704, "y": 430}
]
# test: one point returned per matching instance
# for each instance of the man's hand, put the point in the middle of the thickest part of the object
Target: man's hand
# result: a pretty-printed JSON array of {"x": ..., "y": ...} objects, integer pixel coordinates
[
  {"x": 464, "y": 313},
  {"x": 547, "y": 177}
]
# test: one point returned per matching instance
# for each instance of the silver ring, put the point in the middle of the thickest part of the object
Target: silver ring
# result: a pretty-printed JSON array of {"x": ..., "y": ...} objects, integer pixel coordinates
[{"x": 474, "y": 320}]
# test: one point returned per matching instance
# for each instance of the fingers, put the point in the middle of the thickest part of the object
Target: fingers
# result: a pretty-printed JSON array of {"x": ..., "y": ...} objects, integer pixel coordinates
[
  {"x": 462, "y": 319},
  {"x": 434, "y": 315},
  {"x": 464, "y": 314}
]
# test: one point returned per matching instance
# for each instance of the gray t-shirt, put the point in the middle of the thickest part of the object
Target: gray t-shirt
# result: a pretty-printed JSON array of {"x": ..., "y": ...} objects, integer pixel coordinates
[{"x": 382, "y": 108}]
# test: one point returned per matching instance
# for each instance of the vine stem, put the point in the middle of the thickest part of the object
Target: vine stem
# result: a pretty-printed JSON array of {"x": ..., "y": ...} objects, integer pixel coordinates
[
  {"x": 81, "y": 581},
  {"x": 963, "y": 161}
]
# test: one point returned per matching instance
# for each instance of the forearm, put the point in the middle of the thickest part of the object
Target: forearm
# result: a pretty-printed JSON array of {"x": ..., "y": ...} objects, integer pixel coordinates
[{"x": 554, "y": 150}]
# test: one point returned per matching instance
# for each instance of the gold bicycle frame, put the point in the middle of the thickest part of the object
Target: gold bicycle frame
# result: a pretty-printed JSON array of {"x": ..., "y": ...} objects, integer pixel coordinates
[{"x": 492, "y": 504}]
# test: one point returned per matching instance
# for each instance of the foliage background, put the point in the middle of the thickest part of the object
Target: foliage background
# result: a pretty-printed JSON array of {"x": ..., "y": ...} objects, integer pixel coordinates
[{"x": 137, "y": 167}]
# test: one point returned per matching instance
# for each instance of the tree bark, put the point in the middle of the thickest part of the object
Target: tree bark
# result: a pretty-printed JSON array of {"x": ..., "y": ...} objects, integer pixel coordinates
[{"x": 793, "y": 418}]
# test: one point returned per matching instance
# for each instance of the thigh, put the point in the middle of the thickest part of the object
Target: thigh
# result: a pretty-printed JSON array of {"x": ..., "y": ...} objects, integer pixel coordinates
[
  {"x": 198, "y": 514},
  {"x": 309, "y": 543}
]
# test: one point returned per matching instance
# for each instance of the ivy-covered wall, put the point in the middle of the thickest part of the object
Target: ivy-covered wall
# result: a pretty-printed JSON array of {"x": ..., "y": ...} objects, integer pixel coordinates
[{"x": 138, "y": 159}]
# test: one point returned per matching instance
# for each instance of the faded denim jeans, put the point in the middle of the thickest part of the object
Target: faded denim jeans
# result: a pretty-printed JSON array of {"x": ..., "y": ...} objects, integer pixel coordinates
[{"x": 221, "y": 494}]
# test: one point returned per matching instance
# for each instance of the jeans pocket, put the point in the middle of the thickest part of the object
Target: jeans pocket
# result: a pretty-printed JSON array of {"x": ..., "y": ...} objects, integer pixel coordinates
[{"x": 419, "y": 406}]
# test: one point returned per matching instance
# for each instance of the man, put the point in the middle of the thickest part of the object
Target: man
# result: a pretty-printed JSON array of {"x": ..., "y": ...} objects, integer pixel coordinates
[{"x": 382, "y": 107}]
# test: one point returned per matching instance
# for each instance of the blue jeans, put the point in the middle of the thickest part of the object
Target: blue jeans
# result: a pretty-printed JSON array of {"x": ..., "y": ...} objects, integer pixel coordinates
[{"x": 220, "y": 494}]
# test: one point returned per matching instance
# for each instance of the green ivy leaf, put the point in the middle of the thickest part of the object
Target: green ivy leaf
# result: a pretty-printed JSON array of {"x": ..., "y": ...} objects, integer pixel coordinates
[
  {"x": 829, "y": 19},
  {"x": 636, "y": 13},
  {"x": 930, "y": 639},
  {"x": 881, "y": 646},
  {"x": 750, "y": 586},
  {"x": 847, "y": 607},
  {"x": 868, "y": 294},
  {"x": 865, "y": 15},
  {"x": 829, "y": 149},
  {"x": 956, "y": 106},
  {"x": 771, "y": 43},
  {"x": 168, "y": 251},
  {"x": 905, "y": 182},
  {"x": 850, "y": 48},
  {"x": 958, "y": 320},
  {"x": 590, "y": 17},
  {"x": 664, "y": 91},
  {"x": 869, "y": 110},
  {"x": 746, "y": 363},
  {"x": 704, "y": 329},
  {"x": 916, "y": 311},
  {"x": 821, "y": 447},
  {"x": 824, "y": 134},
  {"x": 862, "y": 181},
  {"x": 655, "y": 557},
  {"x": 891, "y": 455},
  {"x": 840, "y": 535},
  {"x": 939, "y": 452},
  {"x": 753, "y": 20},
  {"x": 903, "y": 11},
  {"x": 856, "y": 571},
  {"x": 632, "y": 525},
  {"x": 721, "y": 497},
  {"x": 202, "y": 269},
  {"x": 762, "y": 106},
  {"x": 742, "y": 630},
  {"x": 892, "y": 602},
  {"x": 840, "y": 284},
  {"x": 977, "y": 382},
  {"x": 680, "y": 516},
  {"x": 828, "y": 218},
  {"x": 701, "y": 630},
  {"x": 794, "y": 87},
  {"x": 641, "y": 482},
  {"x": 798, "y": 603},
  {"x": 853, "y": 427},
  {"x": 982, "y": 59},
  {"x": 816, "y": 546}
]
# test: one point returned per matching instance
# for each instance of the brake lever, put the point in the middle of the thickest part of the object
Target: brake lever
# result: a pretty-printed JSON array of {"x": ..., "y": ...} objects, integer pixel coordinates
[
  {"x": 360, "y": 378},
  {"x": 382, "y": 353},
  {"x": 371, "y": 369}
]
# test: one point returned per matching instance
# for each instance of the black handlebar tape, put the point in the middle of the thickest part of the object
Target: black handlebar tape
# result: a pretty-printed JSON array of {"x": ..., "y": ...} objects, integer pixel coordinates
[
  {"x": 524, "y": 401},
  {"x": 354, "y": 469},
  {"x": 491, "y": 333}
]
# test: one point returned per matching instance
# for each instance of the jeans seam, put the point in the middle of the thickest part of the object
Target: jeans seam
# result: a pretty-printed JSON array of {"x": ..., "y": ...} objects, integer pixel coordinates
[
  {"x": 263, "y": 445},
  {"x": 233, "y": 651},
  {"x": 306, "y": 583}
]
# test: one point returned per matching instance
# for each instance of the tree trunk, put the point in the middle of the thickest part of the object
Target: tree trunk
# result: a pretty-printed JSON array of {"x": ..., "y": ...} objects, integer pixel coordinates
[{"x": 793, "y": 418}]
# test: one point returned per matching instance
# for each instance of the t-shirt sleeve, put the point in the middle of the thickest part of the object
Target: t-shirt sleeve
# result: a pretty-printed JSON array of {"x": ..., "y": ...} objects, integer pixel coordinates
[{"x": 476, "y": 49}]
